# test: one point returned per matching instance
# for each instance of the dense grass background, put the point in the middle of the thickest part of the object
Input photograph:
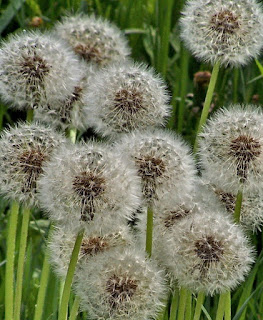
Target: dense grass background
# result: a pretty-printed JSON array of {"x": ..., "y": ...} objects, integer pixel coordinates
[{"x": 152, "y": 29}]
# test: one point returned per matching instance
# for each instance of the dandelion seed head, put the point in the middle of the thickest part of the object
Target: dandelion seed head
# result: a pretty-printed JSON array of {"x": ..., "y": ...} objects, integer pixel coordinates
[
  {"x": 23, "y": 152},
  {"x": 97, "y": 41},
  {"x": 125, "y": 97},
  {"x": 123, "y": 286},
  {"x": 87, "y": 184},
  {"x": 224, "y": 31},
  {"x": 36, "y": 69},
  {"x": 231, "y": 149}
]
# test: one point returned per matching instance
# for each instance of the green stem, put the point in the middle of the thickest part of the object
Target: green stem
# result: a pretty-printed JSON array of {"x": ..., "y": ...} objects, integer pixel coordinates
[
  {"x": 75, "y": 309},
  {"x": 235, "y": 85},
  {"x": 73, "y": 134},
  {"x": 10, "y": 257},
  {"x": 21, "y": 260},
  {"x": 29, "y": 115},
  {"x": 149, "y": 231},
  {"x": 207, "y": 103},
  {"x": 221, "y": 306},
  {"x": 188, "y": 310},
  {"x": 183, "y": 88},
  {"x": 182, "y": 303},
  {"x": 174, "y": 304},
  {"x": 198, "y": 307},
  {"x": 42, "y": 286},
  {"x": 228, "y": 306},
  {"x": 68, "y": 281},
  {"x": 238, "y": 206}
]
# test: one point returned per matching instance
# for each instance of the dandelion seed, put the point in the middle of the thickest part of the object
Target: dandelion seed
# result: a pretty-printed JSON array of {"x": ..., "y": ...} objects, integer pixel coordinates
[
  {"x": 125, "y": 97},
  {"x": 24, "y": 150},
  {"x": 97, "y": 41},
  {"x": 36, "y": 69},
  {"x": 231, "y": 149},
  {"x": 224, "y": 31},
  {"x": 121, "y": 286},
  {"x": 163, "y": 163},
  {"x": 88, "y": 183}
]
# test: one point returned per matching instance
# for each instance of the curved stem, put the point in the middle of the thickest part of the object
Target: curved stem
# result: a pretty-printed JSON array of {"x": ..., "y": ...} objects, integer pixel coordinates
[
  {"x": 198, "y": 307},
  {"x": 68, "y": 281},
  {"x": 207, "y": 103},
  {"x": 10, "y": 257},
  {"x": 21, "y": 259},
  {"x": 149, "y": 231},
  {"x": 238, "y": 206}
]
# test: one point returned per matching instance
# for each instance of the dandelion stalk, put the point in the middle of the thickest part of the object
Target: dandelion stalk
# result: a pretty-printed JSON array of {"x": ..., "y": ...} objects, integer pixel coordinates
[
  {"x": 73, "y": 135},
  {"x": 21, "y": 259},
  {"x": 208, "y": 100},
  {"x": 75, "y": 308},
  {"x": 221, "y": 306},
  {"x": 188, "y": 310},
  {"x": 29, "y": 115},
  {"x": 69, "y": 277},
  {"x": 182, "y": 304},
  {"x": 238, "y": 206},
  {"x": 10, "y": 256},
  {"x": 149, "y": 231},
  {"x": 174, "y": 304},
  {"x": 198, "y": 306},
  {"x": 228, "y": 306}
]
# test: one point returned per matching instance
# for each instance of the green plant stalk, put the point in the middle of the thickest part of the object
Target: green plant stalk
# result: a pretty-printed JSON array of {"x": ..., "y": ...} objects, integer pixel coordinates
[
  {"x": 149, "y": 231},
  {"x": 29, "y": 115},
  {"x": 182, "y": 304},
  {"x": 238, "y": 206},
  {"x": 174, "y": 304},
  {"x": 235, "y": 85},
  {"x": 207, "y": 103},
  {"x": 42, "y": 288},
  {"x": 10, "y": 257},
  {"x": 188, "y": 310},
  {"x": 21, "y": 260},
  {"x": 228, "y": 306},
  {"x": 183, "y": 87},
  {"x": 221, "y": 306},
  {"x": 75, "y": 309},
  {"x": 69, "y": 277},
  {"x": 73, "y": 135},
  {"x": 198, "y": 306}
]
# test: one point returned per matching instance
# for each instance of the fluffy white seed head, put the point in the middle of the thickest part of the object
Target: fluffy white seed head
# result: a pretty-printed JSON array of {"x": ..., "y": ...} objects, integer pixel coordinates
[
  {"x": 251, "y": 216},
  {"x": 37, "y": 69},
  {"x": 97, "y": 240},
  {"x": 24, "y": 150},
  {"x": 125, "y": 97},
  {"x": 122, "y": 286},
  {"x": 208, "y": 253},
  {"x": 223, "y": 30},
  {"x": 87, "y": 184},
  {"x": 97, "y": 41},
  {"x": 231, "y": 149},
  {"x": 68, "y": 113},
  {"x": 163, "y": 162}
]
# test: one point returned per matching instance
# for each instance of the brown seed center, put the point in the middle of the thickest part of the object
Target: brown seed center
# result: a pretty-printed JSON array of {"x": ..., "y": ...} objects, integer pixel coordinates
[
  {"x": 208, "y": 250},
  {"x": 31, "y": 164},
  {"x": 121, "y": 289},
  {"x": 128, "y": 100},
  {"x": 228, "y": 199},
  {"x": 68, "y": 105},
  {"x": 93, "y": 245},
  {"x": 225, "y": 22},
  {"x": 245, "y": 149},
  {"x": 174, "y": 216},
  {"x": 89, "y": 53},
  {"x": 88, "y": 187},
  {"x": 34, "y": 67}
]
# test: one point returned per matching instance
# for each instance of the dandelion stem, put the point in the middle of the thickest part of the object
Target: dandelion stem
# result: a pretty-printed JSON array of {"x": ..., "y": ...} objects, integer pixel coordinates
[
  {"x": 42, "y": 287},
  {"x": 198, "y": 307},
  {"x": 238, "y": 206},
  {"x": 207, "y": 103},
  {"x": 221, "y": 306},
  {"x": 174, "y": 304},
  {"x": 228, "y": 306},
  {"x": 188, "y": 310},
  {"x": 10, "y": 257},
  {"x": 75, "y": 309},
  {"x": 182, "y": 304},
  {"x": 73, "y": 134},
  {"x": 68, "y": 281},
  {"x": 21, "y": 260},
  {"x": 149, "y": 231},
  {"x": 29, "y": 115}
]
